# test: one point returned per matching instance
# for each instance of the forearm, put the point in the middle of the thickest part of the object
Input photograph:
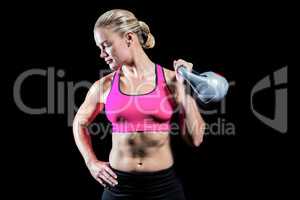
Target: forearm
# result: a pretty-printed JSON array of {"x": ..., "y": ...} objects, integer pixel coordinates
[
  {"x": 192, "y": 123},
  {"x": 83, "y": 141}
]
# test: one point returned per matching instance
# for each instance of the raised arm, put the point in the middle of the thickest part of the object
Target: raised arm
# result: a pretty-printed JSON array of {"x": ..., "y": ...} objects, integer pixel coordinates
[{"x": 191, "y": 122}]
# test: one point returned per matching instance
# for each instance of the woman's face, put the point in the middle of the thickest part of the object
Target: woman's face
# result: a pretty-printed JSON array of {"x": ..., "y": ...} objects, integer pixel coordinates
[{"x": 114, "y": 49}]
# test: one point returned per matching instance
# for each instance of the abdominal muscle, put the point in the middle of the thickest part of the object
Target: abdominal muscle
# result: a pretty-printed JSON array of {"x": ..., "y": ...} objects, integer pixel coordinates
[{"x": 141, "y": 151}]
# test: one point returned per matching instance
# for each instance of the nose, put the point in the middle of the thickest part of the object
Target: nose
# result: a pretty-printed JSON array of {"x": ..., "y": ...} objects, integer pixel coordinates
[{"x": 103, "y": 54}]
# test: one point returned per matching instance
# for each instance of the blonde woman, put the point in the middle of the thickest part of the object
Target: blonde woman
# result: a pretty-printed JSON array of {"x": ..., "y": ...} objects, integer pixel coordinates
[{"x": 139, "y": 97}]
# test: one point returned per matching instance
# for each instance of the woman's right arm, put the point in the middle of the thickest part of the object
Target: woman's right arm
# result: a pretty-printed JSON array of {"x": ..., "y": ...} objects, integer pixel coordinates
[
  {"x": 91, "y": 107},
  {"x": 87, "y": 112}
]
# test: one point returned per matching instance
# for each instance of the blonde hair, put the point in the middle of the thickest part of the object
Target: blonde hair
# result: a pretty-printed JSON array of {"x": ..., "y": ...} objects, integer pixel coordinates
[{"x": 123, "y": 21}]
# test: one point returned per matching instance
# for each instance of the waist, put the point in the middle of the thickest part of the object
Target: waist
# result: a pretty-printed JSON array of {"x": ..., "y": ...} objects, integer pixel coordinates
[
  {"x": 143, "y": 175},
  {"x": 155, "y": 183},
  {"x": 152, "y": 150}
]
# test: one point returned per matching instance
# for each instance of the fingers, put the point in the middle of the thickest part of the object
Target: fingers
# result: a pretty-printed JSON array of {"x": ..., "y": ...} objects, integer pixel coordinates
[
  {"x": 103, "y": 178},
  {"x": 179, "y": 62},
  {"x": 104, "y": 174},
  {"x": 175, "y": 64},
  {"x": 100, "y": 181},
  {"x": 107, "y": 178},
  {"x": 111, "y": 172},
  {"x": 110, "y": 178}
]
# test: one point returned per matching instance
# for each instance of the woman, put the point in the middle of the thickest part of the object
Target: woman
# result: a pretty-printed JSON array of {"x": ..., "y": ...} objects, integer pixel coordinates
[{"x": 139, "y": 97}]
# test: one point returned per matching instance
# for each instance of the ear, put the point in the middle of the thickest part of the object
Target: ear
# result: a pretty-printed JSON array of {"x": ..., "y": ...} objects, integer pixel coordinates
[{"x": 128, "y": 37}]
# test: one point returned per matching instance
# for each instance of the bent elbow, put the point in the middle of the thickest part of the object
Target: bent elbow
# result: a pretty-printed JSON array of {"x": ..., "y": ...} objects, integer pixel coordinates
[
  {"x": 80, "y": 122},
  {"x": 78, "y": 125},
  {"x": 198, "y": 139}
]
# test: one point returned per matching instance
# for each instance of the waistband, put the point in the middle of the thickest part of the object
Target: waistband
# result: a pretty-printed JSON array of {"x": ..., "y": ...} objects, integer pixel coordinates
[
  {"x": 151, "y": 184},
  {"x": 144, "y": 174},
  {"x": 138, "y": 181}
]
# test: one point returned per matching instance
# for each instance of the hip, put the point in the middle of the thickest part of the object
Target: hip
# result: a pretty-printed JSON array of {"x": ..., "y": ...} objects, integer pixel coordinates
[{"x": 161, "y": 184}]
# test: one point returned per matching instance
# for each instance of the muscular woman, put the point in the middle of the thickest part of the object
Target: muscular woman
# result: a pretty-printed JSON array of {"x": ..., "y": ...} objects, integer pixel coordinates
[{"x": 139, "y": 97}]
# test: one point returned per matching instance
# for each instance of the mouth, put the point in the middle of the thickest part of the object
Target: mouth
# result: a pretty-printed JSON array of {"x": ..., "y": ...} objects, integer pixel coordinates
[{"x": 108, "y": 61}]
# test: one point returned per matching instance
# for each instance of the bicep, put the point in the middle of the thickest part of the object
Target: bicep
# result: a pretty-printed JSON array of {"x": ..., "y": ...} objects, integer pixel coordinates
[
  {"x": 91, "y": 106},
  {"x": 171, "y": 82}
]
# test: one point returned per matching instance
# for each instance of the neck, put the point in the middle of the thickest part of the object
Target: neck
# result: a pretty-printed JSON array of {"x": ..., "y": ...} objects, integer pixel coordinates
[{"x": 140, "y": 67}]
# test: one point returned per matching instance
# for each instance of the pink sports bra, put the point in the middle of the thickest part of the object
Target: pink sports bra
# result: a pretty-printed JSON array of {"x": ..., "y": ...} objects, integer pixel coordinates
[{"x": 140, "y": 112}]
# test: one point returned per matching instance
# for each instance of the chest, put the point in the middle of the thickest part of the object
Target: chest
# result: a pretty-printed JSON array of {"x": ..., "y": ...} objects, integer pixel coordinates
[{"x": 137, "y": 86}]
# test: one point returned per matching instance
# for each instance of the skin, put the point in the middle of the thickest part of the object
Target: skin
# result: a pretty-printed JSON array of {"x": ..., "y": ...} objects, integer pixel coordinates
[{"x": 135, "y": 151}]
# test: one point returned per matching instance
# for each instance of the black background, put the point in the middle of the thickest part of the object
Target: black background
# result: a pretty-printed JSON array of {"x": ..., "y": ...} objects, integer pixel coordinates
[{"x": 245, "y": 42}]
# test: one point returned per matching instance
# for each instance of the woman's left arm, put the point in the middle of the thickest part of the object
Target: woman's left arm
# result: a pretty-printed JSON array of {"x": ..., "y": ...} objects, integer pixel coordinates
[{"x": 192, "y": 124}]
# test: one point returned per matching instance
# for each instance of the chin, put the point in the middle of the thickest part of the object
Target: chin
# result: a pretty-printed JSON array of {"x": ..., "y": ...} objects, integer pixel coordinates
[{"x": 113, "y": 66}]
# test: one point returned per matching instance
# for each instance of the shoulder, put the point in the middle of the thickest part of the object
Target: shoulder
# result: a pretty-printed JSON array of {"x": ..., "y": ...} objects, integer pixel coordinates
[
  {"x": 103, "y": 83},
  {"x": 106, "y": 81},
  {"x": 102, "y": 86},
  {"x": 171, "y": 80},
  {"x": 170, "y": 75}
]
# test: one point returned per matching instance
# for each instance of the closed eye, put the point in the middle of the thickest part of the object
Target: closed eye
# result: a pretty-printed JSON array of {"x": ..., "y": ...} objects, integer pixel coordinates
[{"x": 107, "y": 44}]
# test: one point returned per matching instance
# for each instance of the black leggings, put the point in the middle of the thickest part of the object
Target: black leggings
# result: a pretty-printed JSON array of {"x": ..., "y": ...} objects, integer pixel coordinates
[{"x": 158, "y": 185}]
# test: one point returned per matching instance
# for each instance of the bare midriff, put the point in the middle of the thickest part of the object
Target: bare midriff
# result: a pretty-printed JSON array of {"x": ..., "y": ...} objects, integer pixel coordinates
[{"x": 141, "y": 151}]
